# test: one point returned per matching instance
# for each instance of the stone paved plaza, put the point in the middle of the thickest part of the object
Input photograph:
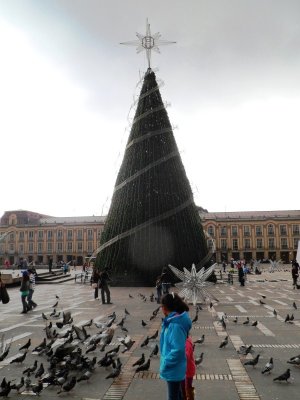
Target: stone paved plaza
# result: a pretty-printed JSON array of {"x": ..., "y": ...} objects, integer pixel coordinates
[{"x": 220, "y": 376}]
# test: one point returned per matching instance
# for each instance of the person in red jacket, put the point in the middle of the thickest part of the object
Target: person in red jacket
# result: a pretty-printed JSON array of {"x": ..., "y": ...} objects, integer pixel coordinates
[{"x": 187, "y": 385}]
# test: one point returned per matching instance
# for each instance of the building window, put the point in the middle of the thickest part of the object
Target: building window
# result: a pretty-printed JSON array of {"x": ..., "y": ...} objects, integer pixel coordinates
[
  {"x": 223, "y": 244},
  {"x": 79, "y": 246},
  {"x": 21, "y": 236},
  {"x": 90, "y": 247},
  {"x": 59, "y": 247},
  {"x": 210, "y": 244},
  {"x": 223, "y": 231},
  {"x": 283, "y": 230},
  {"x": 235, "y": 244},
  {"x": 296, "y": 229},
  {"x": 49, "y": 235},
  {"x": 69, "y": 246},
  {"x": 234, "y": 230},
  {"x": 296, "y": 241},
  {"x": 246, "y": 230},
  {"x": 30, "y": 235},
  {"x": 11, "y": 247},
  {"x": 70, "y": 234},
  {"x": 59, "y": 234},
  {"x": 79, "y": 234},
  {"x": 284, "y": 243},
  {"x": 271, "y": 230},
  {"x": 211, "y": 230},
  {"x": 258, "y": 230},
  {"x": 40, "y": 247},
  {"x": 30, "y": 247},
  {"x": 259, "y": 244},
  {"x": 12, "y": 236},
  {"x": 49, "y": 247},
  {"x": 40, "y": 235},
  {"x": 21, "y": 248},
  {"x": 271, "y": 243},
  {"x": 90, "y": 234},
  {"x": 247, "y": 244}
]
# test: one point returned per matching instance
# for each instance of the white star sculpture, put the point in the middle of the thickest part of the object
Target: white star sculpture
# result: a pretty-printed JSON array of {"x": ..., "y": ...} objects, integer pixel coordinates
[
  {"x": 148, "y": 42},
  {"x": 194, "y": 283}
]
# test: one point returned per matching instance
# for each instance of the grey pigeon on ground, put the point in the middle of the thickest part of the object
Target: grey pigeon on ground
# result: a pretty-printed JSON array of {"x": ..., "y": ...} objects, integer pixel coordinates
[
  {"x": 268, "y": 367},
  {"x": 283, "y": 377}
]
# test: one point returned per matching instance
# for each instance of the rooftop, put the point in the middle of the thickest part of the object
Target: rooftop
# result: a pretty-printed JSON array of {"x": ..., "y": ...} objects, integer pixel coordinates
[{"x": 287, "y": 214}]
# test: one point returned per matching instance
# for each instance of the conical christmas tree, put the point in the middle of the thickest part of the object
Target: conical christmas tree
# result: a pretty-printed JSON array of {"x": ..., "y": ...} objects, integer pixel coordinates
[{"x": 153, "y": 220}]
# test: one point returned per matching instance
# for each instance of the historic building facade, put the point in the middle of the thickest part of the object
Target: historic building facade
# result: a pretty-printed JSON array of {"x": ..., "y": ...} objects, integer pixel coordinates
[
  {"x": 253, "y": 235},
  {"x": 249, "y": 235},
  {"x": 39, "y": 238}
]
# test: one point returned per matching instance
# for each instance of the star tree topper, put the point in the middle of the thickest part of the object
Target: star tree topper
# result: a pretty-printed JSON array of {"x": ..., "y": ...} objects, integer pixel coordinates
[
  {"x": 194, "y": 283},
  {"x": 148, "y": 42}
]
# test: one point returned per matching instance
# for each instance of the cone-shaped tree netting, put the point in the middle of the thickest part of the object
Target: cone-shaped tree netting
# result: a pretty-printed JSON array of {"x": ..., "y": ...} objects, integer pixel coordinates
[{"x": 153, "y": 220}]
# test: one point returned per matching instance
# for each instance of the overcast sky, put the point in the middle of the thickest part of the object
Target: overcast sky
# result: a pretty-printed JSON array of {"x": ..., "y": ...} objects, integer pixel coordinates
[{"x": 66, "y": 88}]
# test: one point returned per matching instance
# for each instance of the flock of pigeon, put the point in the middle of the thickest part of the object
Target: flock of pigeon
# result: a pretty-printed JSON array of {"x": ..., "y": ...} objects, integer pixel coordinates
[
  {"x": 245, "y": 350},
  {"x": 64, "y": 355}
]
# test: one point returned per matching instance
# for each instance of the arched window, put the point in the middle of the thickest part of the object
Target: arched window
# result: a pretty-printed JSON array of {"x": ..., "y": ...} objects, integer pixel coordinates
[
  {"x": 211, "y": 230},
  {"x": 271, "y": 229}
]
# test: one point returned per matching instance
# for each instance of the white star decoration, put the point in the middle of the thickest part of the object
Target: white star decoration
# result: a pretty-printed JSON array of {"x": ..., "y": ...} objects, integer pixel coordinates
[
  {"x": 194, "y": 283},
  {"x": 148, "y": 42}
]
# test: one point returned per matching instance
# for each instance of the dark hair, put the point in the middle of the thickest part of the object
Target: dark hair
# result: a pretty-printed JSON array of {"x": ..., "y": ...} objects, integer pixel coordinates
[{"x": 173, "y": 302}]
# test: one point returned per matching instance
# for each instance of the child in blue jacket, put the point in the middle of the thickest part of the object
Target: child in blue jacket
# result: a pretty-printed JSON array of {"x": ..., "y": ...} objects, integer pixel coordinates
[{"x": 175, "y": 328}]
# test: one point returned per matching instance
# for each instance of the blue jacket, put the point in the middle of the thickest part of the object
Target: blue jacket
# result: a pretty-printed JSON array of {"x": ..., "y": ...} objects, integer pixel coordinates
[{"x": 175, "y": 329}]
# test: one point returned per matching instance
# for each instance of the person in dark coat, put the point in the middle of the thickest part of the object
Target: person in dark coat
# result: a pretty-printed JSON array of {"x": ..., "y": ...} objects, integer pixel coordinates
[
  {"x": 95, "y": 282},
  {"x": 295, "y": 274},
  {"x": 104, "y": 279},
  {"x": 241, "y": 274}
]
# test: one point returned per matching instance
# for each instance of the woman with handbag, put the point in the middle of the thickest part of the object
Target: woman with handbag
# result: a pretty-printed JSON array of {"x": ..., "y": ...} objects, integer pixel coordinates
[{"x": 24, "y": 289}]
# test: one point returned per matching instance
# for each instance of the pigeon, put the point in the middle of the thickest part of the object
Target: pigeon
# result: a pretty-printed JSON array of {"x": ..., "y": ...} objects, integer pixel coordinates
[
  {"x": 31, "y": 369},
  {"x": 245, "y": 350},
  {"x": 55, "y": 305},
  {"x": 275, "y": 312},
  {"x": 40, "y": 346},
  {"x": 224, "y": 343},
  {"x": 261, "y": 302},
  {"x": 131, "y": 297},
  {"x": 91, "y": 348},
  {"x": 199, "y": 359},
  {"x": 26, "y": 345},
  {"x": 113, "y": 352},
  {"x": 6, "y": 390},
  {"x": 145, "y": 342},
  {"x": 195, "y": 318},
  {"x": 124, "y": 329},
  {"x": 86, "y": 376},
  {"x": 144, "y": 367},
  {"x": 3, "y": 383},
  {"x": 154, "y": 351},
  {"x": 263, "y": 296},
  {"x": 40, "y": 371},
  {"x": 211, "y": 305},
  {"x": 144, "y": 323},
  {"x": 37, "y": 389},
  {"x": 284, "y": 377},
  {"x": 57, "y": 296},
  {"x": 235, "y": 320},
  {"x": 127, "y": 312},
  {"x": 292, "y": 317},
  {"x": 140, "y": 361},
  {"x": 88, "y": 324},
  {"x": 287, "y": 318},
  {"x": 223, "y": 323},
  {"x": 44, "y": 317},
  {"x": 294, "y": 360},
  {"x": 116, "y": 372},
  {"x": 19, "y": 359},
  {"x": 154, "y": 336},
  {"x": 200, "y": 340},
  {"x": 112, "y": 315},
  {"x": 268, "y": 367},
  {"x": 121, "y": 323},
  {"x": 68, "y": 386},
  {"x": 254, "y": 323},
  {"x": 19, "y": 385},
  {"x": 295, "y": 305},
  {"x": 252, "y": 362}
]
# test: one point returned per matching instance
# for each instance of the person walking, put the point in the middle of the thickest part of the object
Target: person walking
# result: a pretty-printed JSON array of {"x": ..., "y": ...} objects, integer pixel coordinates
[
  {"x": 24, "y": 289},
  {"x": 175, "y": 328},
  {"x": 295, "y": 274},
  {"x": 31, "y": 303},
  {"x": 95, "y": 282},
  {"x": 104, "y": 279},
  {"x": 188, "y": 391}
]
